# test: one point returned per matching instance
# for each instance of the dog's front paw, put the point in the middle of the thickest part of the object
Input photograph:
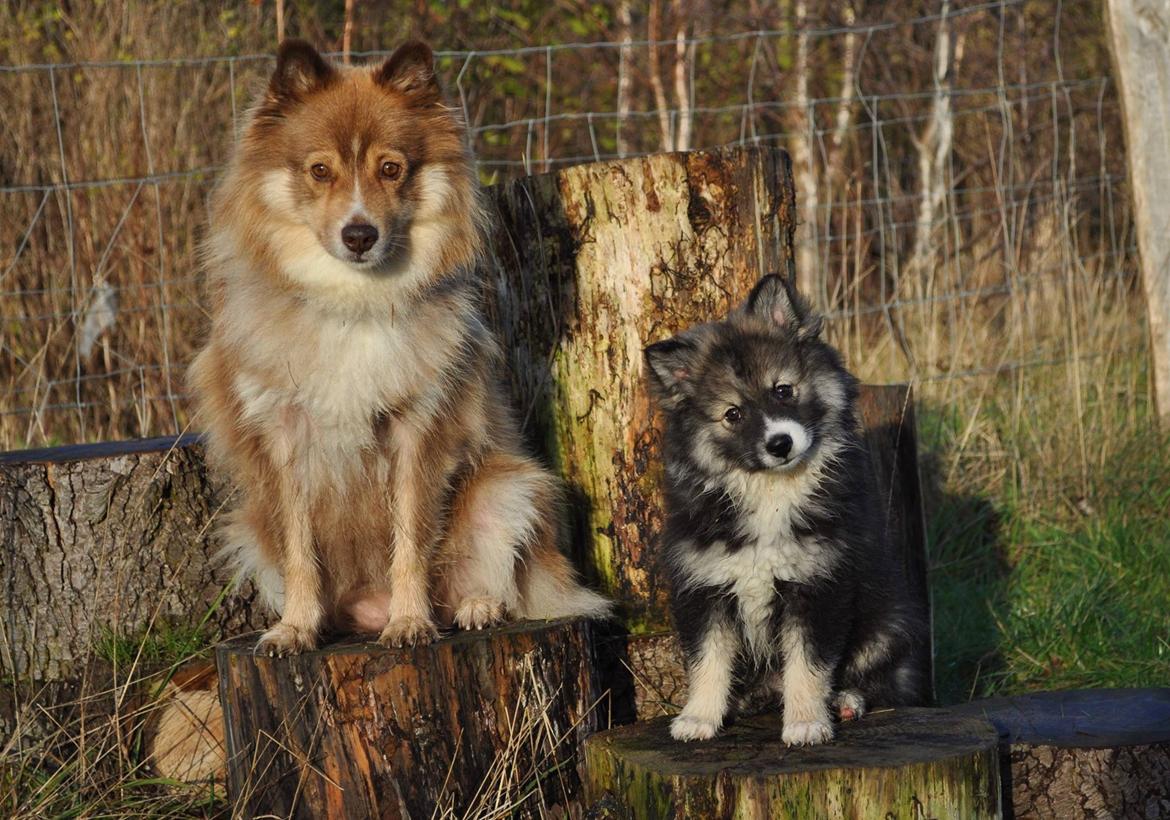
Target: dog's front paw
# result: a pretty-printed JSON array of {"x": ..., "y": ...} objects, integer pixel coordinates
[
  {"x": 806, "y": 733},
  {"x": 408, "y": 630},
  {"x": 285, "y": 639},
  {"x": 478, "y": 613},
  {"x": 686, "y": 727}
]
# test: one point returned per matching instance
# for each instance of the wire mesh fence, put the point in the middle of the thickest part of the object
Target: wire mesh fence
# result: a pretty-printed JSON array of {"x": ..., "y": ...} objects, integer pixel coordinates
[{"x": 961, "y": 188}]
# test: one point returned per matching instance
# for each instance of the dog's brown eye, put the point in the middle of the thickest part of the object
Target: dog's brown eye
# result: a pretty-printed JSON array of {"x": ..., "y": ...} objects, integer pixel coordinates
[
  {"x": 733, "y": 415},
  {"x": 784, "y": 391},
  {"x": 319, "y": 171},
  {"x": 391, "y": 170}
]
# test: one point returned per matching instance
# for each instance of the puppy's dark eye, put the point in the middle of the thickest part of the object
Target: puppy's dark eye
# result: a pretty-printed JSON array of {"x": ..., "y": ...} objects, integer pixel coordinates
[
  {"x": 734, "y": 415},
  {"x": 319, "y": 171},
  {"x": 784, "y": 391},
  {"x": 391, "y": 170}
]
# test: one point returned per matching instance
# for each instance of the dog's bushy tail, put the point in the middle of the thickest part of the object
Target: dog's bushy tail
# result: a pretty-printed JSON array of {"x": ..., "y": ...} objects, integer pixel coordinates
[{"x": 551, "y": 590}]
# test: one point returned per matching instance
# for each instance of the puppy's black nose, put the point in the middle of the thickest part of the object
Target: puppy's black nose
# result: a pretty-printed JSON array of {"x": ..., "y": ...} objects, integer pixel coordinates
[
  {"x": 359, "y": 237},
  {"x": 779, "y": 445}
]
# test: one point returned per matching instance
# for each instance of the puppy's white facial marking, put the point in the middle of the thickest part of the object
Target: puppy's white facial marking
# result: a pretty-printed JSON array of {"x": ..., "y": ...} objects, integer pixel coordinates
[
  {"x": 709, "y": 683},
  {"x": 797, "y": 432}
]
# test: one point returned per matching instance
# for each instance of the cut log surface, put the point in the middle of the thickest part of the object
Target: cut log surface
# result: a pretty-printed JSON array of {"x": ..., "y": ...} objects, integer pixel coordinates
[
  {"x": 897, "y": 763},
  {"x": 357, "y": 730},
  {"x": 1086, "y": 753}
]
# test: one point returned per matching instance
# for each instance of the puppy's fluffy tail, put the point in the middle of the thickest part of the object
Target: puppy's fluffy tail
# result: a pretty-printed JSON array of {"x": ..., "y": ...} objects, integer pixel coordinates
[{"x": 551, "y": 590}]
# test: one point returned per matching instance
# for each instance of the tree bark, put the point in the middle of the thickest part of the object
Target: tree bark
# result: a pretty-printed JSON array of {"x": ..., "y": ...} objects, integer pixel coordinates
[
  {"x": 896, "y": 763},
  {"x": 1139, "y": 30},
  {"x": 1083, "y": 754},
  {"x": 108, "y": 538},
  {"x": 357, "y": 730},
  {"x": 590, "y": 265}
]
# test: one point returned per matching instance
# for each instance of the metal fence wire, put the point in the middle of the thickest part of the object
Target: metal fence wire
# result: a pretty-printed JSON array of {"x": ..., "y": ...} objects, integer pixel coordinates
[{"x": 958, "y": 227}]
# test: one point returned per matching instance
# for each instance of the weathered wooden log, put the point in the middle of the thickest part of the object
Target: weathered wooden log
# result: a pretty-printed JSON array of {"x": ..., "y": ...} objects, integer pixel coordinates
[
  {"x": 1086, "y": 753},
  {"x": 592, "y": 263},
  {"x": 896, "y": 763},
  {"x": 357, "y": 730}
]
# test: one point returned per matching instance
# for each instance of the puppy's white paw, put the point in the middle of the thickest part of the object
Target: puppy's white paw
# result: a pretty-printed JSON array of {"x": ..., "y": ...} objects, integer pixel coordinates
[
  {"x": 686, "y": 727},
  {"x": 478, "y": 613},
  {"x": 408, "y": 630},
  {"x": 806, "y": 733},
  {"x": 850, "y": 705},
  {"x": 285, "y": 639}
]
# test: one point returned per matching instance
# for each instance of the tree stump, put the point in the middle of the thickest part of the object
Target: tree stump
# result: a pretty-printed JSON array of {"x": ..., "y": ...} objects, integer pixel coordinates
[
  {"x": 102, "y": 540},
  {"x": 590, "y": 264},
  {"x": 357, "y": 730},
  {"x": 105, "y": 537},
  {"x": 895, "y": 763},
  {"x": 1083, "y": 754}
]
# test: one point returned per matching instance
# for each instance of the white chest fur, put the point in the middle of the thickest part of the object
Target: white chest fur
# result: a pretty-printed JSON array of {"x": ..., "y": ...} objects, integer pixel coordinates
[
  {"x": 315, "y": 382},
  {"x": 768, "y": 512}
]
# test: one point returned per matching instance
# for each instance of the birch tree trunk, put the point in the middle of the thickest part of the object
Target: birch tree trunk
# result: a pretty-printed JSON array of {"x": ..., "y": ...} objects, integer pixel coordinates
[
  {"x": 625, "y": 81},
  {"x": 653, "y": 28},
  {"x": 1139, "y": 32},
  {"x": 682, "y": 140},
  {"x": 803, "y": 142},
  {"x": 934, "y": 152}
]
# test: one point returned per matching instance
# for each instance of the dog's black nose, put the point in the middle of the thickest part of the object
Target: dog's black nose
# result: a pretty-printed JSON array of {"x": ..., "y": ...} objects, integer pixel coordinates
[
  {"x": 359, "y": 237},
  {"x": 779, "y": 445}
]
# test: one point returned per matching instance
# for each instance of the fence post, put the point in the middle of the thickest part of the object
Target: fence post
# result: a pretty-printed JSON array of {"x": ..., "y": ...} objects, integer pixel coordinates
[{"x": 1139, "y": 31}]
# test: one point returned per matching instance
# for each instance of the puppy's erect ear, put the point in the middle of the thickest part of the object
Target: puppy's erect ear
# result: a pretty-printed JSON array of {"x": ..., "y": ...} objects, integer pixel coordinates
[
  {"x": 671, "y": 363},
  {"x": 411, "y": 71},
  {"x": 775, "y": 299},
  {"x": 299, "y": 71}
]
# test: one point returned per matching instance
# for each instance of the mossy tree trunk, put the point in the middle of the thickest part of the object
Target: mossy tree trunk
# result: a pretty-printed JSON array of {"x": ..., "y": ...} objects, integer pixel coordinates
[{"x": 591, "y": 264}]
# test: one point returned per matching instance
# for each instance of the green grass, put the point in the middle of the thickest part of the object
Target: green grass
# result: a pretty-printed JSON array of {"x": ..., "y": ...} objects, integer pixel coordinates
[
  {"x": 165, "y": 645},
  {"x": 1076, "y": 595}
]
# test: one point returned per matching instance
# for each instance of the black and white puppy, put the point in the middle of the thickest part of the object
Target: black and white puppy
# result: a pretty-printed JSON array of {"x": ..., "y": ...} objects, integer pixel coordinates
[{"x": 779, "y": 569}]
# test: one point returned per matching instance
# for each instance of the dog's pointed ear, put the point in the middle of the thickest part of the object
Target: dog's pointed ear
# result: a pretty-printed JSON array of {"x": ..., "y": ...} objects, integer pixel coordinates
[
  {"x": 775, "y": 299},
  {"x": 671, "y": 363},
  {"x": 299, "y": 70},
  {"x": 411, "y": 71}
]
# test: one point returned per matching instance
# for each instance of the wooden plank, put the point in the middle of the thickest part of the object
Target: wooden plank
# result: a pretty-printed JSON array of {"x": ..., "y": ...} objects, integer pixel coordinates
[
  {"x": 1139, "y": 33},
  {"x": 104, "y": 449}
]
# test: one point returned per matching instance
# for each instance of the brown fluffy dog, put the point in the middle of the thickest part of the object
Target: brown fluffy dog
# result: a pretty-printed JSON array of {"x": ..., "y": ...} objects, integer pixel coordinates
[{"x": 349, "y": 384}]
